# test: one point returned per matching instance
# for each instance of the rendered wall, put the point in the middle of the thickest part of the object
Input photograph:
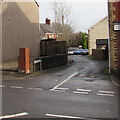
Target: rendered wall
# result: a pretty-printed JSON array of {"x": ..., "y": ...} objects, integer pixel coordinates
[
  {"x": 20, "y": 28},
  {"x": 98, "y": 31}
]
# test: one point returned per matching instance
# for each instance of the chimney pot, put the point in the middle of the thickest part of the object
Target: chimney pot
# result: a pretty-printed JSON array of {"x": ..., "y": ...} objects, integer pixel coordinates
[{"x": 47, "y": 21}]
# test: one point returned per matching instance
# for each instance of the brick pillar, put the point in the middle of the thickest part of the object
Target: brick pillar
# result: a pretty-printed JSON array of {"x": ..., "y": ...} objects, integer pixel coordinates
[{"x": 24, "y": 60}]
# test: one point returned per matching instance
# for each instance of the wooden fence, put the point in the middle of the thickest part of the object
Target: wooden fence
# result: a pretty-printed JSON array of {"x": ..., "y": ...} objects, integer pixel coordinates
[
  {"x": 53, "y": 54},
  {"x": 49, "y": 48}
]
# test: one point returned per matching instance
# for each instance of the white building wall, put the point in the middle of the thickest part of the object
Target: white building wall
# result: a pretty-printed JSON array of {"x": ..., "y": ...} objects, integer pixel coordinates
[{"x": 98, "y": 31}]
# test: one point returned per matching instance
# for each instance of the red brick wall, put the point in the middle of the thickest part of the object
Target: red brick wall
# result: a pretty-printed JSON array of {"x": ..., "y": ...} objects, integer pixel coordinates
[
  {"x": 114, "y": 16},
  {"x": 100, "y": 54},
  {"x": 116, "y": 13}
]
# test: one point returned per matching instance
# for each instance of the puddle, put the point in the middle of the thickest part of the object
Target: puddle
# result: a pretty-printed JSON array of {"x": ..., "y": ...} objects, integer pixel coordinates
[
  {"x": 59, "y": 74},
  {"x": 89, "y": 79},
  {"x": 82, "y": 75}
]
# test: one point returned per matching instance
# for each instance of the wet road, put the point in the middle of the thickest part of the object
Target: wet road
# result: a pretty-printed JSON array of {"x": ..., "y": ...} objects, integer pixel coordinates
[{"x": 82, "y": 90}]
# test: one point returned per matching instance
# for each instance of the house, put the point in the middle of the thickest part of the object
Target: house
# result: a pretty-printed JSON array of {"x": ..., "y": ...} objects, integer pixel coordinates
[
  {"x": 20, "y": 28},
  {"x": 98, "y": 31},
  {"x": 47, "y": 31},
  {"x": 114, "y": 38}
]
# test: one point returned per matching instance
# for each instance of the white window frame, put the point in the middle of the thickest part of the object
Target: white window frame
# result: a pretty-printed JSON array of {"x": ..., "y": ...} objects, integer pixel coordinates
[{"x": 117, "y": 26}]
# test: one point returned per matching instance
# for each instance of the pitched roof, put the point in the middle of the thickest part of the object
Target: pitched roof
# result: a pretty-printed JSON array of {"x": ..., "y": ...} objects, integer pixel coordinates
[
  {"x": 22, "y": 1},
  {"x": 98, "y": 22},
  {"x": 46, "y": 28}
]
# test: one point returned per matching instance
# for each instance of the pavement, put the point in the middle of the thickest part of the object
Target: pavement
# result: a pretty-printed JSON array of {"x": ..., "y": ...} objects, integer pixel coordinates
[
  {"x": 9, "y": 66},
  {"x": 9, "y": 71}
]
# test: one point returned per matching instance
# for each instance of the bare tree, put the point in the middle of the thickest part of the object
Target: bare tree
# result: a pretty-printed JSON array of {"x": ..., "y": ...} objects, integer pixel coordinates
[{"x": 63, "y": 23}]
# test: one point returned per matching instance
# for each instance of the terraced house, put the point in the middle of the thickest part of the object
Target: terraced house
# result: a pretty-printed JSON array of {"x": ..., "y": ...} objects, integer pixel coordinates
[{"x": 20, "y": 28}]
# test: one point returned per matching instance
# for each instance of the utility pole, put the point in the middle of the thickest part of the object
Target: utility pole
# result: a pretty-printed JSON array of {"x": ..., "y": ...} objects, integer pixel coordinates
[
  {"x": 62, "y": 19},
  {"x": 55, "y": 21},
  {"x": 63, "y": 27}
]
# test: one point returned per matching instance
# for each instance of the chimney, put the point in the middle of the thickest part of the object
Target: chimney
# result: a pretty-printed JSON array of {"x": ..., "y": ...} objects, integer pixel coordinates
[{"x": 47, "y": 21}]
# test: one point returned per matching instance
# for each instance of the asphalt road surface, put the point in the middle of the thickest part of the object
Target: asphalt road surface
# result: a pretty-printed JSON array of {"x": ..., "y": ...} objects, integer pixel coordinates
[{"x": 82, "y": 90}]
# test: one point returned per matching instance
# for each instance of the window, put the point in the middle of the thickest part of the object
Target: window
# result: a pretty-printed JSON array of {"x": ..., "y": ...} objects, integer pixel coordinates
[{"x": 117, "y": 26}]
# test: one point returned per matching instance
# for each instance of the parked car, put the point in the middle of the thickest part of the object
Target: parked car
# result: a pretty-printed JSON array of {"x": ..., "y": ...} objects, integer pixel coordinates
[
  {"x": 85, "y": 52},
  {"x": 78, "y": 52},
  {"x": 71, "y": 51}
]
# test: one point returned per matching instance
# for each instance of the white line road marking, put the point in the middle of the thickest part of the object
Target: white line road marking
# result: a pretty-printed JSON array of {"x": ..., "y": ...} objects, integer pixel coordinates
[
  {"x": 14, "y": 115},
  {"x": 57, "y": 90},
  {"x": 74, "y": 74},
  {"x": 80, "y": 92},
  {"x": 107, "y": 92},
  {"x": 104, "y": 94},
  {"x": 2, "y": 86},
  {"x": 62, "y": 88},
  {"x": 35, "y": 88},
  {"x": 65, "y": 116},
  {"x": 84, "y": 90},
  {"x": 16, "y": 87}
]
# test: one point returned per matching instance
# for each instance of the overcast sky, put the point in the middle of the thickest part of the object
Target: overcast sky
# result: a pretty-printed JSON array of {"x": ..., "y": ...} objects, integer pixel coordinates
[{"x": 84, "y": 14}]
